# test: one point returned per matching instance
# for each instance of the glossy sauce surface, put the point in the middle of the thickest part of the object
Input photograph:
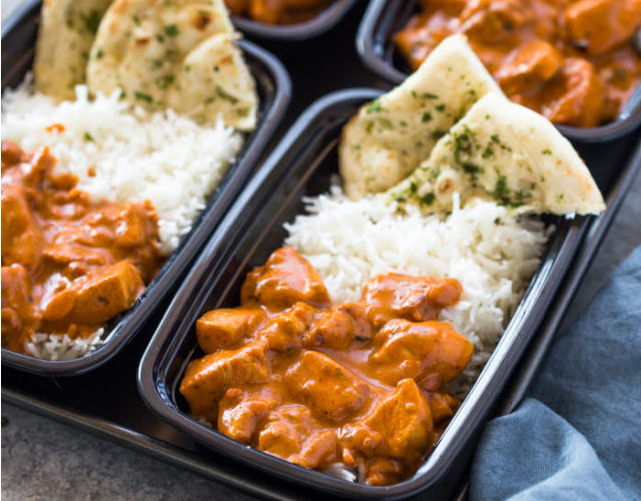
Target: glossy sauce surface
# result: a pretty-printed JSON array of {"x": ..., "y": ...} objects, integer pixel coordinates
[
  {"x": 356, "y": 385},
  {"x": 278, "y": 11},
  {"x": 68, "y": 264},
  {"x": 571, "y": 60}
]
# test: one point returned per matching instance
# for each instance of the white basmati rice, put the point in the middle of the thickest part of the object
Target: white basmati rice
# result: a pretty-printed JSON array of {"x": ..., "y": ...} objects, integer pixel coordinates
[
  {"x": 492, "y": 253},
  {"x": 134, "y": 156}
]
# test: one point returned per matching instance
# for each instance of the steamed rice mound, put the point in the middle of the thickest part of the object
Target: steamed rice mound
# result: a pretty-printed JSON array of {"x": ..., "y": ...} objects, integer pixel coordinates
[
  {"x": 491, "y": 252},
  {"x": 135, "y": 155}
]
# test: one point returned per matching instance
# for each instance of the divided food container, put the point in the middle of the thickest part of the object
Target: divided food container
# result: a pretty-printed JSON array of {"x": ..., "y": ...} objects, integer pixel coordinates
[
  {"x": 302, "y": 165},
  {"x": 274, "y": 89},
  {"x": 376, "y": 47}
]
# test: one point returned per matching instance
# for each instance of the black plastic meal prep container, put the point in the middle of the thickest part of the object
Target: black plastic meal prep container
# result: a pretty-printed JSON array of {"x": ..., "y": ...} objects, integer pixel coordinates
[
  {"x": 274, "y": 89},
  {"x": 315, "y": 27},
  {"x": 376, "y": 47},
  {"x": 303, "y": 165}
]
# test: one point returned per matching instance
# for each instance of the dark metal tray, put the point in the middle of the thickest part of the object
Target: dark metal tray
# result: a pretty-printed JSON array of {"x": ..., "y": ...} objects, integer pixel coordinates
[
  {"x": 106, "y": 402},
  {"x": 377, "y": 49},
  {"x": 315, "y": 27},
  {"x": 274, "y": 87}
]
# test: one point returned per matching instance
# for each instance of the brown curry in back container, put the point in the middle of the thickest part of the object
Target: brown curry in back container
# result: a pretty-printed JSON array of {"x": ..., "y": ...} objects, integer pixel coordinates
[
  {"x": 278, "y": 11},
  {"x": 357, "y": 385},
  {"x": 68, "y": 264},
  {"x": 570, "y": 60}
]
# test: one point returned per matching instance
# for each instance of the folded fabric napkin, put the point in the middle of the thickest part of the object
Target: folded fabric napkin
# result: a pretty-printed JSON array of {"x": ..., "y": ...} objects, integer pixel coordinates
[{"x": 578, "y": 434}]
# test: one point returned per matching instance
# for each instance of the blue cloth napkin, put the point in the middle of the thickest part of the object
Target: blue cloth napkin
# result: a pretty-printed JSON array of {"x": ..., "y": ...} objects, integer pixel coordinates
[{"x": 578, "y": 434}]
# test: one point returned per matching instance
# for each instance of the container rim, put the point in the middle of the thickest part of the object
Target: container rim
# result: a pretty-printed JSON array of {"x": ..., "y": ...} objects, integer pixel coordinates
[
  {"x": 371, "y": 41},
  {"x": 298, "y": 32},
  {"x": 155, "y": 392},
  {"x": 279, "y": 90}
]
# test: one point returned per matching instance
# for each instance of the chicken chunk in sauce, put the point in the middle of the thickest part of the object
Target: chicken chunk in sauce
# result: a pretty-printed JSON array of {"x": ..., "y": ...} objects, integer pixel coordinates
[
  {"x": 573, "y": 61},
  {"x": 69, "y": 264},
  {"x": 358, "y": 385}
]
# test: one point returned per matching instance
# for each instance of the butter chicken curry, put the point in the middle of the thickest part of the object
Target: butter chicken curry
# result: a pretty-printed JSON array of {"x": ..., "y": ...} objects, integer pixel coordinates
[
  {"x": 571, "y": 60},
  {"x": 278, "y": 11},
  {"x": 318, "y": 384},
  {"x": 68, "y": 264}
]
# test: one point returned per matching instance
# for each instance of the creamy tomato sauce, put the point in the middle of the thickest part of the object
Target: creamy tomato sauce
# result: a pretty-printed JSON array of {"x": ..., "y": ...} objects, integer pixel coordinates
[
  {"x": 278, "y": 11},
  {"x": 68, "y": 264},
  {"x": 357, "y": 384},
  {"x": 570, "y": 60}
]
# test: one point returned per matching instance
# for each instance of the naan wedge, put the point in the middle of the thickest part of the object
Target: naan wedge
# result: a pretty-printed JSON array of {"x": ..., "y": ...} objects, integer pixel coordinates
[
  {"x": 215, "y": 80},
  {"x": 505, "y": 152},
  {"x": 155, "y": 50},
  {"x": 390, "y": 136},
  {"x": 67, "y": 31}
]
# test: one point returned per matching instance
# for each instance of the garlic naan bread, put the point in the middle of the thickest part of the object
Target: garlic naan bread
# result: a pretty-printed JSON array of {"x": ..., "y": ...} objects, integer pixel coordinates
[
  {"x": 505, "y": 152},
  {"x": 215, "y": 80},
  {"x": 67, "y": 31},
  {"x": 156, "y": 50},
  {"x": 390, "y": 136}
]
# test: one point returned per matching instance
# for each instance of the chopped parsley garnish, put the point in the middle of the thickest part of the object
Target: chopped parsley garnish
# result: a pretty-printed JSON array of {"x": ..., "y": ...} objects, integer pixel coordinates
[
  {"x": 136, "y": 20},
  {"x": 141, "y": 96},
  {"x": 547, "y": 151},
  {"x": 385, "y": 123},
  {"x": 91, "y": 20},
  {"x": 428, "y": 198},
  {"x": 427, "y": 117},
  {"x": 374, "y": 107},
  {"x": 171, "y": 30},
  {"x": 501, "y": 191},
  {"x": 88, "y": 137},
  {"x": 504, "y": 195},
  {"x": 439, "y": 107},
  {"x": 471, "y": 169},
  {"x": 462, "y": 144},
  {"x": 223, "y": 94},
  {"x": 165, "y": 81},
  {"x": 429, "y": 95}
]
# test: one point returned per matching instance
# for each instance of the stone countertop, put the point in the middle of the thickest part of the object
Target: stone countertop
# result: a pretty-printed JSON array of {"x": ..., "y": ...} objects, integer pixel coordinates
[{"x": 44, "y": 460}]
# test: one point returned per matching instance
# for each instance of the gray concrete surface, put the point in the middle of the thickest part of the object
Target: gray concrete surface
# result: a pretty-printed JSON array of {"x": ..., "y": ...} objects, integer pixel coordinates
[{"x": 43, "y": 460}]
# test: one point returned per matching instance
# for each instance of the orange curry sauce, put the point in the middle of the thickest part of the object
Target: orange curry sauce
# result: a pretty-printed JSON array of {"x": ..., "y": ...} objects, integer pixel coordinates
[
  {"x": 358, "y": 384},
  {"x": 570, "y": 60},
  {"x": 68, "y": 264},
  {"x": 278, "y": 11}
]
